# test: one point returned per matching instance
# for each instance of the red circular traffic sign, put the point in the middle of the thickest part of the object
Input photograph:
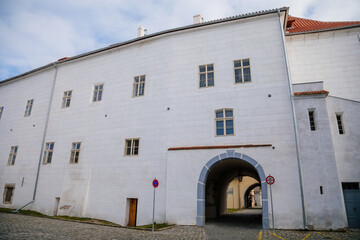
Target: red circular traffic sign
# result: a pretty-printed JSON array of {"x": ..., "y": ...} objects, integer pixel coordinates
[
  {"x": 270, "y": 180},
  {"x": 155, "y": 183}
]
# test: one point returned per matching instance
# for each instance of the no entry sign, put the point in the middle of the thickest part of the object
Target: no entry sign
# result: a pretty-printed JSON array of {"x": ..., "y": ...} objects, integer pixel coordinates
[
  {"x": 155, "y": 183},
  {"x": 270, "y": 180}
]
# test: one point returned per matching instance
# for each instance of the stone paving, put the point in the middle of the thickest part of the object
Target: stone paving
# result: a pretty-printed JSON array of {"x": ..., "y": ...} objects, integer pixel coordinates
[
  {"x": 17, "y": 226},
  {"x": 310, "y": 235},
  {"x": 247, "y": 225},
  {"x": 244, "y": 225}
]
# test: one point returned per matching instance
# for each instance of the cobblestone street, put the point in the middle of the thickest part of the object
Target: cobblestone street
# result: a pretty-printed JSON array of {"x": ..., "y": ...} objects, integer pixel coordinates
[
  {"x": 14, "y": 226},
  {"x": 17, "y": 226}
]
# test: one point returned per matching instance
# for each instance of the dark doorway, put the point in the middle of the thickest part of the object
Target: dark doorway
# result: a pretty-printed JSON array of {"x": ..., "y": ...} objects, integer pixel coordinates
[{"x": 216, "y": 193}]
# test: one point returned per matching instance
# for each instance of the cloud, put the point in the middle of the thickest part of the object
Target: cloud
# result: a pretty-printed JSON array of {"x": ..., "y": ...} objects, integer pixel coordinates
[{"x": 37, "y": 32}]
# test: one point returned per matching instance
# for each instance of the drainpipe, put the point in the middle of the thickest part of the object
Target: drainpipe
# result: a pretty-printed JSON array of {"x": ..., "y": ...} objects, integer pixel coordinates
[
  {"x": 43, "y": 140},
  {"x": 295, "y": 125}
]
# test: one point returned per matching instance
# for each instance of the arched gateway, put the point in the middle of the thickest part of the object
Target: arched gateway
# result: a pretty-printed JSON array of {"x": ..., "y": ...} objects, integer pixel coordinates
[{"x": 230, "y": 155}]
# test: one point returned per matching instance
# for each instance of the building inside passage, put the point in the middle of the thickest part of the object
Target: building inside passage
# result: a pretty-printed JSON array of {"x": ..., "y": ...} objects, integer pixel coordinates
[{"x": 198, "y": 107}]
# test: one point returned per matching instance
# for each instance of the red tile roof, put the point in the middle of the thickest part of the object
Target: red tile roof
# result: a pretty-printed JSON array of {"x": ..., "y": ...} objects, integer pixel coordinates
[
  {"x": 312, "y": 93},
  {"x": 297, "y": 25}
]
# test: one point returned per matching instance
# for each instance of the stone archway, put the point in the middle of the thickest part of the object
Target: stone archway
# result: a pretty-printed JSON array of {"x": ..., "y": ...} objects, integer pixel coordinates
[
  {"x": 230, "y": 154},
  {"x": 247, "y": 192}
]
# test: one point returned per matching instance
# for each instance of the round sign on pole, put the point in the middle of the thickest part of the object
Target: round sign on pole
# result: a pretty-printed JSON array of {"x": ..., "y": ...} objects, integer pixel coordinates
[
  {"x": 155, "y": 183},
  {"x": 270, "y": 180}
]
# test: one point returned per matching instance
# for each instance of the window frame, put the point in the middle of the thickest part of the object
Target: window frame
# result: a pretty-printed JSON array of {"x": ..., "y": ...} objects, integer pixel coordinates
[
  {"x": 48, "y": 152},
  {"x": 224, "y": 119},
  {"x": 132, "y": 147},
  {"x": 137, "y": 86},
  {"x": 66, "y": 99},
  {"x": 1, "y": 111},
  {"x": 28, "y": 108},
  {"x": 5, "y": 193},
  {"x": 12, "y": 155},
  {"x": 312, "y": 122},
  {"x": 96, "y": 97},
  {"x": 242, "y": 67},
  {"x": 73, "y": 158},
  {"x": 339, "y": 119},
  {"x": 206, "y": 75}
]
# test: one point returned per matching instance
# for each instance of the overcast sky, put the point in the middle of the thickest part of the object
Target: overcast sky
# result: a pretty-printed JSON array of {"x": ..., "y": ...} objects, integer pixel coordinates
[{"x": 37, "y": 32}]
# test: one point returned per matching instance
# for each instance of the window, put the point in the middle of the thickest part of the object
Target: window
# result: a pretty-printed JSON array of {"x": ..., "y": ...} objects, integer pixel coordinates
[
  {"x": 340, "y": 123},
  {"x": 12, "y": 155},
  {"x": 48, "y": 152},
  {"x": 8, "y": 193},
  {"x": 224, "y": 121},
  {"x": 132, "y": 147},
  {"x": 67, "y": 99},
  {"x": 1, "y": 111},
  {"x": 139, "y": 86},
  {"x": 98, "y": 90},
  {"x": 28, "y": 107},
  {"x": 312, "y": 120},
  {"x": 75, "y": 152},
  {"x": 242, "y": 71},
  {"x": 206, "y": 74}
]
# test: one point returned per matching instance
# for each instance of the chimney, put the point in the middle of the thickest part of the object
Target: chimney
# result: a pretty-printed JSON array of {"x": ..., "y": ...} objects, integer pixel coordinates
[
  {"x": 141, "y": 31},
  {"x": 198, "y": 19}
]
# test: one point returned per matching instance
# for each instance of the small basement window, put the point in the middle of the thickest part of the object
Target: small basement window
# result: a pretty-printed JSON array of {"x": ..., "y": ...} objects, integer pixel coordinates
[{"x": 8, "y": 193}]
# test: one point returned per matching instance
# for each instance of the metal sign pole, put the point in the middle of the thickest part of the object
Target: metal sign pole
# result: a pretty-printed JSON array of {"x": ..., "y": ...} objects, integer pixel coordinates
[
  {"x": 271, "y": 180},
  {"x": 153, "y": 211},
  {"x": 272, "y": 209}
]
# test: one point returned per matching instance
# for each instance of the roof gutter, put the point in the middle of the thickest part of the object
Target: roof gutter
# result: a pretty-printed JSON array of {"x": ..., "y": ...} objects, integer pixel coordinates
[
  {"x": 294, "y": 124},
  {"x": 224, "y": 20}
]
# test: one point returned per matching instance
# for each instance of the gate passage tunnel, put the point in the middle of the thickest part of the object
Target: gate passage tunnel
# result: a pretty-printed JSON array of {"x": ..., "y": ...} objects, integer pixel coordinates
[{"x": 214, "y": 182}]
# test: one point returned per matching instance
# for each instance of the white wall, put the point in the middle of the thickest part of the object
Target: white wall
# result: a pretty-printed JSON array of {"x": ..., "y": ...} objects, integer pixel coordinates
[
  {"x": 319, "y": 170},
  {"x": 24, "y": 132},
  {"x": 104, "y": 177},
  {"x": 347, "y": 145},
  {"x": 332, "y": 57}
]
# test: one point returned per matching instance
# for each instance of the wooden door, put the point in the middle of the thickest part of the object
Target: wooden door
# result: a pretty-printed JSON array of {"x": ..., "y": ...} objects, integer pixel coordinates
[{"x": 132, "y": 212}]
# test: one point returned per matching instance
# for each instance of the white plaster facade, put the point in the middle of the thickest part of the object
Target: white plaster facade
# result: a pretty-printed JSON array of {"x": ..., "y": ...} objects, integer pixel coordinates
[{"x": 175, "y": 112}]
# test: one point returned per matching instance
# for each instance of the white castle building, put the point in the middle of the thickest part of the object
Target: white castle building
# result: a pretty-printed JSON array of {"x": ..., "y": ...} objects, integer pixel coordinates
[{"x": 252, "y": 95}]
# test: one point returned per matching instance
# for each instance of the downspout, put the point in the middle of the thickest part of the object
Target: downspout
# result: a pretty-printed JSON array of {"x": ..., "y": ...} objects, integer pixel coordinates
[
  {"x": 43, "y": 140},
  {"x": 295, "y": 124}
]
